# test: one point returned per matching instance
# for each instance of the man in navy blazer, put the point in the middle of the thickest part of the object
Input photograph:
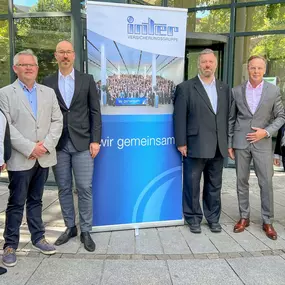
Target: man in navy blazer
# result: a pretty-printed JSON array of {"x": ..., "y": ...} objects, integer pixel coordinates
[{"x": 201, "y": 108}]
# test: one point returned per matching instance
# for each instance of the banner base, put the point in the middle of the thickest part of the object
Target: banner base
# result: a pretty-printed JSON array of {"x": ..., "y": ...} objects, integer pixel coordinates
[{"x": 121, "y": 227}]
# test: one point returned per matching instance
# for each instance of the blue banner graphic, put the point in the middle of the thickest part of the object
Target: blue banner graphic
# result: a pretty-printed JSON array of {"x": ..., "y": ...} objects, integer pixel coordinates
[
  {"x": 137, "y": 174},
  {"x": 136, "y": 56},
  {"x": 131, "y": 101}
]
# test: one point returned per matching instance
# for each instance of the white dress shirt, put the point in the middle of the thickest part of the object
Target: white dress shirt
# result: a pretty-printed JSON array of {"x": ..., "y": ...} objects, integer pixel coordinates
[
  {"x": 3, "y": 122},
  {"x": 66, "y": 85},
  {"x": 211, "y": 91}
]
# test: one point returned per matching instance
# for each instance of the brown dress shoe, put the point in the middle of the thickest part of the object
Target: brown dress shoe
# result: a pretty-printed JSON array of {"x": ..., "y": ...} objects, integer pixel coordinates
[
  {"x": 270, "y": 232},
  {"x": 241, "y": 225}
]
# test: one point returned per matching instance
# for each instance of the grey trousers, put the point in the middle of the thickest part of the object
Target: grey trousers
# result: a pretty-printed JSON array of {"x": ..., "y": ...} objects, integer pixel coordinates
[
  {"x": 81, "y": 164},
  {"x": 263, "y": 167}
]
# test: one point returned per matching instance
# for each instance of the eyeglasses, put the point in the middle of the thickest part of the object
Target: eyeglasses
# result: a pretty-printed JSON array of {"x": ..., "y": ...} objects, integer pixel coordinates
[
  {"x": 26, "y": 65},
  {"x": 63, "y": 52}
]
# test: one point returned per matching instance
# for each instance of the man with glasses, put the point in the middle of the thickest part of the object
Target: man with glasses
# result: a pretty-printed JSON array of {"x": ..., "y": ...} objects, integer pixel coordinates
[
  {"x": 35, "y": 123},
  {"x": 79, "y": 144},
  {"x": 256, "y": 113}
]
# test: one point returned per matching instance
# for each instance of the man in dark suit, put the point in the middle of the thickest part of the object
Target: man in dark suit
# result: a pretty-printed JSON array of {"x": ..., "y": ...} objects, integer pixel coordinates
[
  {"x": 279, "y": 151},
  {"x": 79, "y": 144},
  {"x": 201, "y": 107}
]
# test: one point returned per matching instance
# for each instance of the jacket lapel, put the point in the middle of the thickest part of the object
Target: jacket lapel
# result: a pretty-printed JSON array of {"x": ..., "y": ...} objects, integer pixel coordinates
[
  {"x": 219, "y": 89},
  {"x": 77, "y": 87},
  {"x": 202, "y": 92},
  {"x": 19, "y": 92},
  {"x": 265, "y": 86},
  {"x": 243, "y": 91},
  {"x": 57, "y": 92},
  {"x": 40, "y": 101}
]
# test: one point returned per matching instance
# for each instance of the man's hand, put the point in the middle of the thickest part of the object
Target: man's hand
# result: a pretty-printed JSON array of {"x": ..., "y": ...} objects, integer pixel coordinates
[
  {"x": 276, "y": 161},
  {"x": 183, "y": 150},
  {"x": 94, "y": 149},
  {"x": 231, "y": 153},
  {"x": 257, "y": 136},
  {"x": 38, "y": 151},
  {"x": 3, "y": 167}
]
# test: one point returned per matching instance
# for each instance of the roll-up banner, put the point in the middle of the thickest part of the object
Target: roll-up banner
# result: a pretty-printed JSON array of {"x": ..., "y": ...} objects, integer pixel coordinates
[{"x": 136, "y": 56}]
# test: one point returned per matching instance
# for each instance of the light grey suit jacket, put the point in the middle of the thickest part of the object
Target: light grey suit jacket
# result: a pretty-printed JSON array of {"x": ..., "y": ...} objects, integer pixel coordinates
[
  {"x": 26, "y": 130},
  {"x": 269, "y": 115}
]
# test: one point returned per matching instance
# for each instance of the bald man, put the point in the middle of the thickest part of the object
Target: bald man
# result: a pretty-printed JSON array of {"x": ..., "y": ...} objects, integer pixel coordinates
[{"x": 79, "y": 143}]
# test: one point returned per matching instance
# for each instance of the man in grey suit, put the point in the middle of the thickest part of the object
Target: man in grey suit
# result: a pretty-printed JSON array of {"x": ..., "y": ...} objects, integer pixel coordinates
[
  {"x": 79, "y": 144},
  {"x": 35, "y": 122},
  {"x": 201, "y": 108},
  {"x": 256, "y": 113}
]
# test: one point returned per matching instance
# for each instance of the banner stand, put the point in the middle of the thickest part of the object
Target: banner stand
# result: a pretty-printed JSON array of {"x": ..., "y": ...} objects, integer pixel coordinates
[
  {"x": 137, "y": 226},
  {"x": 136, "y": 56}
]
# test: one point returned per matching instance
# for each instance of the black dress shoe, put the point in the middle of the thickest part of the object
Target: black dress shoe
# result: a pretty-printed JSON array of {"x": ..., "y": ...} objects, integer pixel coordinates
[
  {"x": 215, "y": 227},
  {"x": 66, "y": 236},
  {"x": 87, "y": 240},
  {"x": 195, "y": 228}
]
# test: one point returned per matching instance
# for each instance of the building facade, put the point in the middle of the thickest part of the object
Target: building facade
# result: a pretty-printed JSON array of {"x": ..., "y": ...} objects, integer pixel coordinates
[{"x": 250, "y": 27}]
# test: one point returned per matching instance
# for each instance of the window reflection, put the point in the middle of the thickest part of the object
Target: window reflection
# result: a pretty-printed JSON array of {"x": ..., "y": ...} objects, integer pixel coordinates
[
  {"x": 32, "y": 6},
  {"x": 196, "y": 3},
  {"x": 42, "y": 35},
  {"x": 3, "y": 6},
  {"x": 4, "y": 54},
  {"x": 147, "y": 2},
  {"x": 269, "y": 46},
  {"x": 214, "y": 21},
  {"x": 261, "y": 18}
]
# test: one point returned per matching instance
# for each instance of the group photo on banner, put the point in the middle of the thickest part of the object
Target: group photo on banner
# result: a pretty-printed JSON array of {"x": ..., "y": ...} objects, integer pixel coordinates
[{"x": 136, "y": 56}]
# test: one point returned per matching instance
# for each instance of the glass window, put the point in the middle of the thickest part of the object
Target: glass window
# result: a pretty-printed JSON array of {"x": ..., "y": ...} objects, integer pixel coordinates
[
  {"x": 4, "y": 53},
  {"x": 261, "y": 18},
  {"x": 32, "y": 6},
  {"x": 147, "y": 2},
  {"x": 83, "y": 6},
  {"x": 196, "y": 3},
  {"x": 245, "y": 1},
  {"x": 3, "y": 6},
  {"x": 42, "y": 35},
  {"x": 214, "y": 21},
  {"x": 271, "y": 47}
]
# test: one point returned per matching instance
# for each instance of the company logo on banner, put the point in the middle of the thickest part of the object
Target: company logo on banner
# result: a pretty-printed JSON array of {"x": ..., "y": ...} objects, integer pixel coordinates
[
  {"x": 152, "y": 29},
  {"x": 129, "y": 26},
  {"x": 136, "y": 56}
]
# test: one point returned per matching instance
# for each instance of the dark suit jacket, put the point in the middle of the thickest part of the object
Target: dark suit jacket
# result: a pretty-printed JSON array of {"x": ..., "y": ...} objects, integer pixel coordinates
[
  {"x": 278, "y": 148},
  {"x": 195, "y": 123},
  {"x": 7, "y": 141},
  {"x": 82, "y": 121}
]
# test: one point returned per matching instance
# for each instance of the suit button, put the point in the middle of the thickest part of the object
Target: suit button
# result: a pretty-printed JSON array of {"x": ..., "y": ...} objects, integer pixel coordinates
[
  {"x": 38, "y": 127},
  {"x": 68, "y": 111}
]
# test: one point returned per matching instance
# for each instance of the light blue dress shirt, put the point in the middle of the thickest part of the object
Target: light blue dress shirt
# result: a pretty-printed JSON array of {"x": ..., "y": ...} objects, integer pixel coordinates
[
  {"x": 66, "y": 85},
  {"x": 31, "y": 94},
  {"x": 211, "y": 91}
]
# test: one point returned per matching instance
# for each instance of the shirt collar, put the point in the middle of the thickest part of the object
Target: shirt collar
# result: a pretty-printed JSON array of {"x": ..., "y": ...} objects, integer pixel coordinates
[
  {"x": 210, "y": 84},
  {"x": 24, "y": 86},
  {"x": 260, "y": 85},
  {"x": 71, "y": 74}
]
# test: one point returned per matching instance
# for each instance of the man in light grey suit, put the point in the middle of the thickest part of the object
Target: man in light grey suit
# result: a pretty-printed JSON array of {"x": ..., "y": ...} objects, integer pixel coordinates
[
  {"x": 256, "y": 113},
  {"x": 35, "y": 122}
]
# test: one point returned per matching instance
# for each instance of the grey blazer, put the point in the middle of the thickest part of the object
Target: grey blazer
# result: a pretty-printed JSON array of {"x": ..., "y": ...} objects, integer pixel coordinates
[
  {"x": 269, "y": 115},
  {"x": 26, "y": 130}
]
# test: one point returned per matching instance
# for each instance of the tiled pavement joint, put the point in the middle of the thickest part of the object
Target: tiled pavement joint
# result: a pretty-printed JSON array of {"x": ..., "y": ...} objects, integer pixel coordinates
[{"x": 223, "y": 255}]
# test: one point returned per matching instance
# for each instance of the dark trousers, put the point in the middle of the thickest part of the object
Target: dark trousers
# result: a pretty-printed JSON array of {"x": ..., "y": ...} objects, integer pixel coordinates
[
  {"x": 25, "y": 187},
  {"x": 212, "y": 170}
]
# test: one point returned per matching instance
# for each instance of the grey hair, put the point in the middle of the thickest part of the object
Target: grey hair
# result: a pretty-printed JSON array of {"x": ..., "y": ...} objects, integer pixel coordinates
[
  {"x": 24, "y": 52},
  {"x": 206, "y": 51}
]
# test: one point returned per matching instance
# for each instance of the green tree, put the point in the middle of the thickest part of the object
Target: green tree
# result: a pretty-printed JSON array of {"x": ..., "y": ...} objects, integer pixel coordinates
[{"x": 42, "y": 34}]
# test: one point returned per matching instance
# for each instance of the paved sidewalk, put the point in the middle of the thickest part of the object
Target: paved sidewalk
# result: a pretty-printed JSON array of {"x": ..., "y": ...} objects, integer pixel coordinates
[{"x": 169, "y": 255}]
